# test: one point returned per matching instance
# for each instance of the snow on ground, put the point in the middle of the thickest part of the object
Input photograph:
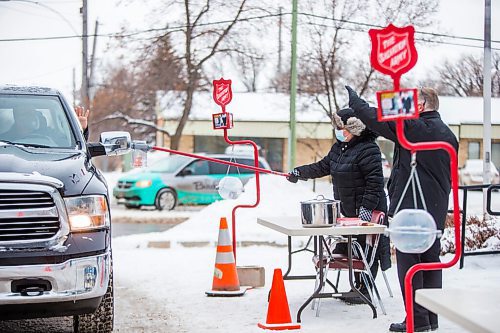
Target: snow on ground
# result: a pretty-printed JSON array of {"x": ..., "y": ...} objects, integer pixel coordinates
[{"x": 177, "y": 278}]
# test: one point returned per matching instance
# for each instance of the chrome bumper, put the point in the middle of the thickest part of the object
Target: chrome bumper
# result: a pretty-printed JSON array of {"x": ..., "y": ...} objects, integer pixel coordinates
[{"x": 73, "y": 280}]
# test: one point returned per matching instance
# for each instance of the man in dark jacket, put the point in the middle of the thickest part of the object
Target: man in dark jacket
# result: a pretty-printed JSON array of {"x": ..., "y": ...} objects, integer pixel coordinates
[
  {"x": 355, "y": 164},
  {"x": 433, "y": 168}
]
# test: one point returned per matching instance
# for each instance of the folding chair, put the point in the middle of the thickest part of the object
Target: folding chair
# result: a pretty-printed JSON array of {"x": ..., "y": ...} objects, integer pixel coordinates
[
  {"x": 360, "y": 264},
  {"x": 378, "y": 217}
]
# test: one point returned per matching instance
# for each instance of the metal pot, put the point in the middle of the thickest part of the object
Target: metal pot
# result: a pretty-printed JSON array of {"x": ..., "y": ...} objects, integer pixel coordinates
[{"x": 319, "y": 212}]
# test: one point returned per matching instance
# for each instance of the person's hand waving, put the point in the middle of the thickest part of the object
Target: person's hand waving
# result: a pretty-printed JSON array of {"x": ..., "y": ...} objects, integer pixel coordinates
[
  {"x": 82, "y": 116},
  {"x": 353, "y": 96}
]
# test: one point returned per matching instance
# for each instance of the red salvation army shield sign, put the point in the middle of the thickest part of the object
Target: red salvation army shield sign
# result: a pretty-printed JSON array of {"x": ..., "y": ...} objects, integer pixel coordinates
[
  {"x": 222, "y": 92},
  {"x": 393, "y": 50}
]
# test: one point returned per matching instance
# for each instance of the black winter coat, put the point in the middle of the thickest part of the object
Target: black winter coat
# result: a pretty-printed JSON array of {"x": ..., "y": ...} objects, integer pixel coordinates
[
  {"x": 433, "y": 166},
  {"x": 356, "y": 169}
]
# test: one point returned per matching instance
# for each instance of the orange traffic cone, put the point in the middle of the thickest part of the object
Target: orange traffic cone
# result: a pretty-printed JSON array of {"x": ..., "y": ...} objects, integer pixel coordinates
[
  {"x": 226, "y": 282},
  {"x": 278, "y": 313}
]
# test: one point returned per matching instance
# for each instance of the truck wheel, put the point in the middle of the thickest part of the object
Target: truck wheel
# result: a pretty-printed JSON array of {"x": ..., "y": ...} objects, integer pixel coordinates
[
  {"x": 100, "y": 321},
  {"x": 165, "y": 199}
]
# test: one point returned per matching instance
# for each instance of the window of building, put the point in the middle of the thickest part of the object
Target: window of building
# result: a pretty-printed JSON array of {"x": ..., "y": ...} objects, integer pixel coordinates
[
  {"x": 495, "y": 154},
  {"x": 473, "y": 152}
]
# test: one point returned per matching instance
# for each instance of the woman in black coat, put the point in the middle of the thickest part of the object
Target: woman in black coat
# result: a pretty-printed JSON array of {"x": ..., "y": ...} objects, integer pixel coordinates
[{"x": 355, "y": 164}]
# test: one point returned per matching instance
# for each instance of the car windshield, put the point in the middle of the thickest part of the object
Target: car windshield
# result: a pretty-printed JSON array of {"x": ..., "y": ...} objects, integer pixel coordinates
[
  {"x": 35, "y": 121},
  {"x": 169, "y": 164}
]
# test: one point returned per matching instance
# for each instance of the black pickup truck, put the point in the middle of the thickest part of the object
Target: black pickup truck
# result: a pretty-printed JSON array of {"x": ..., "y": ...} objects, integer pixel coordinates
[{"x": 55, "y": 228}]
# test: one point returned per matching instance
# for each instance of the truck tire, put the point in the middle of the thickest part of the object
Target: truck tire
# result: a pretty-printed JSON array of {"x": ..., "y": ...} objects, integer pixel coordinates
[
  {"x": 166, "y": 199},
  {"x": 100, "y": 321}
]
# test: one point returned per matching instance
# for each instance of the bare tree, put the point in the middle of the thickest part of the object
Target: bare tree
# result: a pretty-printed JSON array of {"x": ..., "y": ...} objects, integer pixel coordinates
[
  {"x": 128, "y": 96},
  {"x": 201, "y": 42},
  {"x": 464, "y": 76},
  {"x": 496, "y": 75},
  {"x": 333, "y": 60},
  {"x": 250, "y": 65}
]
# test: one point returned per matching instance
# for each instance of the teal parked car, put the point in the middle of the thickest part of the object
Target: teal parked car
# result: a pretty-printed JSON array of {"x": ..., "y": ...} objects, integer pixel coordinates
[{"x": 177, "y": 179}]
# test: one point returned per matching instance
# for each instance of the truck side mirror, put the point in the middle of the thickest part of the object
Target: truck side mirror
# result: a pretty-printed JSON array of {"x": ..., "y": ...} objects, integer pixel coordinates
[{"x": 116, "y": 142}]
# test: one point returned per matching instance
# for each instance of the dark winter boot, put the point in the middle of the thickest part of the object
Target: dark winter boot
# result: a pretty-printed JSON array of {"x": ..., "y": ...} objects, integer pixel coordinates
[{"x": 401, "y": 327}]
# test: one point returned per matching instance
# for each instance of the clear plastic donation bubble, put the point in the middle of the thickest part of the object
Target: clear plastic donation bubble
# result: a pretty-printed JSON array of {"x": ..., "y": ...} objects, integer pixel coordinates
[
  {"x": 139, "y": 158},
  {"x": 230, "y": 187},
  {"x": 413, "y": 230}
]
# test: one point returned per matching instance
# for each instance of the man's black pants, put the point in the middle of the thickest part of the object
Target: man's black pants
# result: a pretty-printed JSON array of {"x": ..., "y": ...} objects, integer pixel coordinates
[{"x": 422, "y": 279}]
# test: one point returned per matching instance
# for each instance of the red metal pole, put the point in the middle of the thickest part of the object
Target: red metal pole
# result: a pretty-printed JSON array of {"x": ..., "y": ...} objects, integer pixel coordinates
[
  {"x": 257, "y": 183},
  {"x": 456, "y": 215}
]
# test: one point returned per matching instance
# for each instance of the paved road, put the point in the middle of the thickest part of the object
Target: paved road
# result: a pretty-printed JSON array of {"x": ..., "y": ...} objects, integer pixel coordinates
[{"x": 133, "y": 313}]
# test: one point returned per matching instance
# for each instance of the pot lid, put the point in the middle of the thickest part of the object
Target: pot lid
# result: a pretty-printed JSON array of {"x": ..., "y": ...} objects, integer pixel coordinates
[{"x": 319, "y": 199}]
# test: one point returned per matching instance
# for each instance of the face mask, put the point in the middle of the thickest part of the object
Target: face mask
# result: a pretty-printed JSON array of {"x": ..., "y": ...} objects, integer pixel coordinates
[{"x": 339, "y": 134}]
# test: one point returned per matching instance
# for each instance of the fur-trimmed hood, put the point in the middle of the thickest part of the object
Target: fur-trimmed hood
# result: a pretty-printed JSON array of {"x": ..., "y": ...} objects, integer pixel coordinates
[{"x": 346, "y": 118}]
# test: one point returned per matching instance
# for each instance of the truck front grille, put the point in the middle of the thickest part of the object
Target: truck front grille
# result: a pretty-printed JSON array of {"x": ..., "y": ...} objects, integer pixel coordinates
[
  {"x": 21, "y": 199},
  {"x": 27, "y": 215}
]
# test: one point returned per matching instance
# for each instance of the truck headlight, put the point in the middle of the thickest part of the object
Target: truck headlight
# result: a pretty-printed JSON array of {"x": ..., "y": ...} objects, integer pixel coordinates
[
  {"x": 87, "y": 212},
  {"x": 143, "y": 183}
]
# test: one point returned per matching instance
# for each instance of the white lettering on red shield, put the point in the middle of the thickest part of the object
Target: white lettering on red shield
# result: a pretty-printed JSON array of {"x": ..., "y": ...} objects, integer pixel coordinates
[
  {"x": 398, "y": 58},
  {"x": 389, "y": 42},
  {"x": 398, "y": 47}
]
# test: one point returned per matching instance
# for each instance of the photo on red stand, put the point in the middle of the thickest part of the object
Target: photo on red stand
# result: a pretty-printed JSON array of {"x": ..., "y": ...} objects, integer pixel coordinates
[
  {"x": 397, "y": 104},
  {"x": 222, "y": 120}
]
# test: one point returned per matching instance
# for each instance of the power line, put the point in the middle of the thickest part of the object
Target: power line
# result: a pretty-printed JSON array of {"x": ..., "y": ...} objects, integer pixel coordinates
[
  {"x": 416, "y": 38},
  {"x": 182, "y": 27},
  {"x": 381, "y": 27},
  {"x": 124, "y": 35}
]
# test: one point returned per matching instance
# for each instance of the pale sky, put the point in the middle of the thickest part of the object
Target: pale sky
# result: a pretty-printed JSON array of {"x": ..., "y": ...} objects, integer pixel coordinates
[{"x": 51, "y": 62}]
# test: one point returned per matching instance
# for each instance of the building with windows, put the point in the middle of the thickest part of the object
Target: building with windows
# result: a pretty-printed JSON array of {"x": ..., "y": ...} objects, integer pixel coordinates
[{"x": 264, "y": 118}]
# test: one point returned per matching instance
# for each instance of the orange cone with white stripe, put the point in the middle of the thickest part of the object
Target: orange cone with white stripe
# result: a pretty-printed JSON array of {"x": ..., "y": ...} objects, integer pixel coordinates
[{"x": 225, "y": 282}]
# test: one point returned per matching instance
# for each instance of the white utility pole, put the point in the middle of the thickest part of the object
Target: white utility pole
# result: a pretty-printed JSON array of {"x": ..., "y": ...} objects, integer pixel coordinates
[{"x": 487, "y": 100}]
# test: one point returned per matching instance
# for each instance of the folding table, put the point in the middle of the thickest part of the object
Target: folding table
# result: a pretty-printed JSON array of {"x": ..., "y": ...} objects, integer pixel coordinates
[
  {"x": 292, "y": 226},
  {"x": 475, "y": 309}
]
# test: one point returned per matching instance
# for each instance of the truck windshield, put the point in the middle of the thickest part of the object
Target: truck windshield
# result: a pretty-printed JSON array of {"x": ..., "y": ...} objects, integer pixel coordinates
[{"x": 36, "y": 121}]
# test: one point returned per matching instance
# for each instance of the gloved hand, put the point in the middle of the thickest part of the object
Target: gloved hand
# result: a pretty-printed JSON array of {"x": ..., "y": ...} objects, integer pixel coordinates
[
  {"x": 293, "y": 176},
  {"x": 365, "y": 214},
  {"x": 353, "y": 96}
]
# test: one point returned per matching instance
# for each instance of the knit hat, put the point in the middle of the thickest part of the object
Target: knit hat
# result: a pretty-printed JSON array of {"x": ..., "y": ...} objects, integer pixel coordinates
[{"x": 346, "y": 119}]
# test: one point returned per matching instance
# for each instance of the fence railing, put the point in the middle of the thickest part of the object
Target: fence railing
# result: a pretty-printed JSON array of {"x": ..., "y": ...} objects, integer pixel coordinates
[{"x": 463, "y": 211}]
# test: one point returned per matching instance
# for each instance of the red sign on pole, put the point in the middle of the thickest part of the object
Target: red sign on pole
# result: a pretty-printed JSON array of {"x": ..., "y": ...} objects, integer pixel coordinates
[
  {"x": 222, "y": 92},
  {"x": 393, "y": 51}
]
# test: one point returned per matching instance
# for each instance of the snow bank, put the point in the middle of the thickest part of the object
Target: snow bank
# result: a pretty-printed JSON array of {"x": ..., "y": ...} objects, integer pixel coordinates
[{"x": 480, "y": 235}]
